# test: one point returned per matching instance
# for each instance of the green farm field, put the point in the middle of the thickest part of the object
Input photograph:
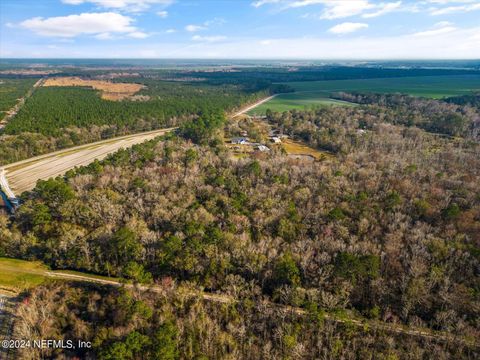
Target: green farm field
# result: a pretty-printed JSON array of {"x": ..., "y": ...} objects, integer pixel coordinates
[
  {"x": 297, "y": 100},
  {"x": 316, "y": 93}
]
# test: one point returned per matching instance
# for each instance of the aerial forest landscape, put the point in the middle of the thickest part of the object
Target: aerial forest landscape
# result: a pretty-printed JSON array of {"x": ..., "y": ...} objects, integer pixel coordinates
[{"x": 251, "y": 179}]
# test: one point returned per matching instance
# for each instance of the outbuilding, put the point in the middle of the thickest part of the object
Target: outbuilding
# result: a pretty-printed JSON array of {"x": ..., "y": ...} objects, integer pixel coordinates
[
  {"x": 240, "y": 140},
  {"x": 262, "y": 148}
]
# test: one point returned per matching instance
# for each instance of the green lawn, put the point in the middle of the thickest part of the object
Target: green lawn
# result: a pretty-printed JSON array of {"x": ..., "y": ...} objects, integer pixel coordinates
[
  {"x": 316, "y": 93},
  {"x": 21, "y": 274}
]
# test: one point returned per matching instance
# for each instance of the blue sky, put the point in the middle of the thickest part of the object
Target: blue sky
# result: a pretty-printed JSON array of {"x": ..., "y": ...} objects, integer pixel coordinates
[{"x": 301, "y": 29}]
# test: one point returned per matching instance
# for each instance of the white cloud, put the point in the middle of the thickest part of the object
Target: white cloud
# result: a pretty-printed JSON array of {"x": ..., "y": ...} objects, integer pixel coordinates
[
  {"x": 455, "y": 9},
  {"x": 205, "y": 25},
  {"x": 264, "y": 2},
  {"x": 102, "y": 25},
  {"x": 439, "y": 28},
  {"x": 347, "y": 27},
  {"x": 104, "y": 36},
  {"x": 208, "y": 38},
  {"x": 170, "y": 31},
  {"x": 194, "y": 28},
  {"x": 215, "y": 21},
  {"x": 442, "y": 24},
  {"x": 345, "y": 8},
  {"x": 384, "y": 8},
  {"x": 126, "y": 5},
  {"x": 302, "y": 3},
  {"x": 335, "y": 9},
  {"x": 449, "y": 1},
  {"x": 138, "y": 35},
  {"x": 162, "y": 14},
  {"x": 458, "y": 44}
]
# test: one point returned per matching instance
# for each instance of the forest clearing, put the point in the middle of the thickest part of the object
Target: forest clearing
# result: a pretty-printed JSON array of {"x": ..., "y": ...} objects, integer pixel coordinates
[{"x": 109, "y": 90}]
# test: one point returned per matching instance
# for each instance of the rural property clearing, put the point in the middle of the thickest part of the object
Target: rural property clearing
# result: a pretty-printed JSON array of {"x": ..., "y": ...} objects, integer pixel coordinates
[
  {"x": 23, "y": 175},
  {"x": 109, "y": 90},
  {"x": 316, "y": 93},
  {"x": 296, "y": 100}
]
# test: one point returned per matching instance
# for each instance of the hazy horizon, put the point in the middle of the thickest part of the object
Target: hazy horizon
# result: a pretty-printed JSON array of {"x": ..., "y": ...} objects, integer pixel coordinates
[{"x": 257, "y": 29}]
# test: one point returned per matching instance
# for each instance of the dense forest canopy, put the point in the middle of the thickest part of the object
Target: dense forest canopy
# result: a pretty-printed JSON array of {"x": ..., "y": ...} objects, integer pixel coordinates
[
  {"x": 60, "y": 117},
  {"x": 472, "y": 100},
  {"x": 436, "y": 116},
  {"x": 53, "y": 108},
  {"x": 11, "y": 90},
  {"x": 389, "y": 229},
  {"x": 174, "y": 323},
  {"x": 385, "y": 230}
]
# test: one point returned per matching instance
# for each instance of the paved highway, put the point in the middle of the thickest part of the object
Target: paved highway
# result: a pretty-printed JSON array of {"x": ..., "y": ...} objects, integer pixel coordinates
[{"x": 23, "y": 175}]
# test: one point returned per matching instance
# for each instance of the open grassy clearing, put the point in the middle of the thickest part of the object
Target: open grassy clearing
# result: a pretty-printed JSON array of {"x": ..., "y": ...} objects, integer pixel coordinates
[
  {"x": 296, "y": 100},
  {"x": 19, "y": 275},
  {"x": 293, "y": 147},
  {"x": 110, "y": 91}
]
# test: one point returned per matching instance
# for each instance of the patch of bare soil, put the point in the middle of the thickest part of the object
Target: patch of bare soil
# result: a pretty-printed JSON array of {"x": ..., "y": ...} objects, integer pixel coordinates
[{"x": 109, "y": 90}]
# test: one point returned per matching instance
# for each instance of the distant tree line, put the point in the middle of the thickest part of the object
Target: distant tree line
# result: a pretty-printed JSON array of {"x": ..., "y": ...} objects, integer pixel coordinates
[{"x": 428, "y": 114}]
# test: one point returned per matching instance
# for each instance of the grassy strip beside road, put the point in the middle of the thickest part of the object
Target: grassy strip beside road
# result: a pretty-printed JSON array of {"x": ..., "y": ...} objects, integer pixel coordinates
[{"x": 18, "y": 275}]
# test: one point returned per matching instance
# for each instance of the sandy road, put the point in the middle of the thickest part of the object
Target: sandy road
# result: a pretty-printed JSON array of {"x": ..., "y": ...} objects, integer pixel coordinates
[
  {"x": 23, "y": 175},
  {"x": 248, "y": 108},
  {"x": 440, "y": 336},
  {"x": 14, "y": 110}
]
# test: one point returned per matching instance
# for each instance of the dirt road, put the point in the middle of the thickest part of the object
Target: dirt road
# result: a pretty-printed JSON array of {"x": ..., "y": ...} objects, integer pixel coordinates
[
  {"x": 226, "y": 299},
  {"x": 250, "y": 107},
  {"x": 13, "y": 111},
  {"x": 23, "y": 175}
]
